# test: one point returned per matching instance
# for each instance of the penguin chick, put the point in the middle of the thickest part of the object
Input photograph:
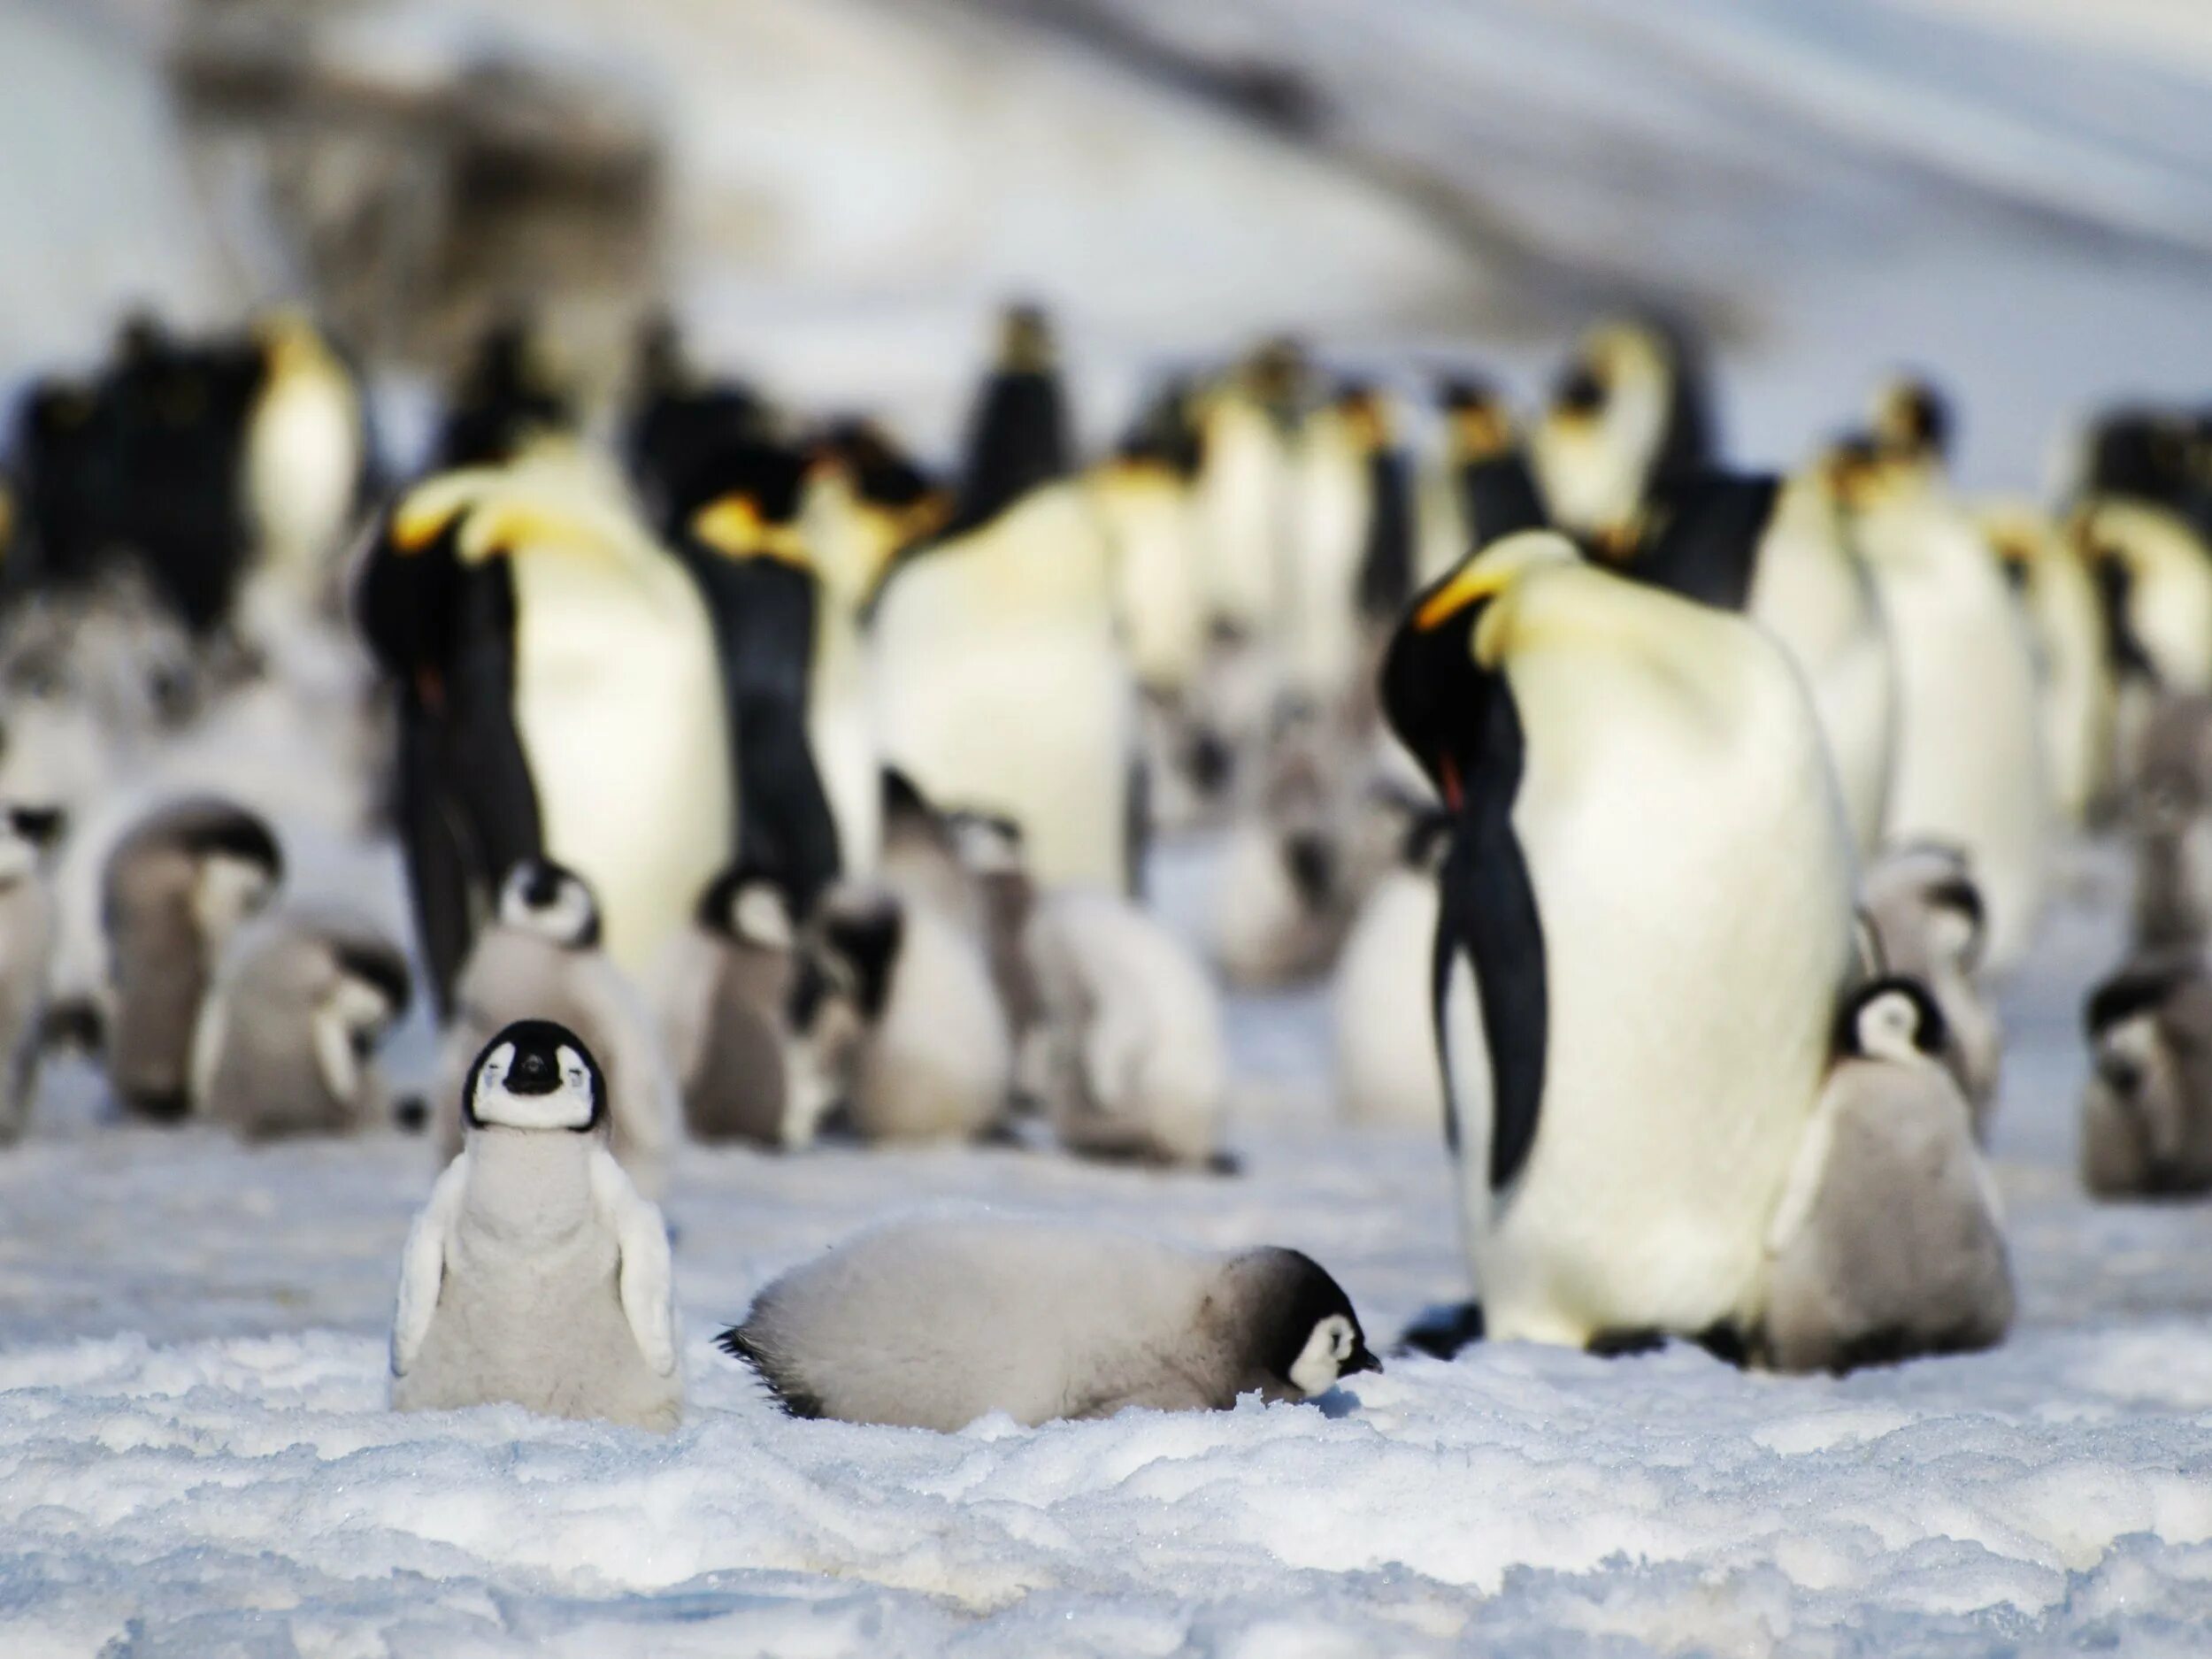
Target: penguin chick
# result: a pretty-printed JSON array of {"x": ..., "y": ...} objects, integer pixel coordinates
[
  {"x": 27, "y": 929},
  {"x": 541, "y": 959},
  {"x": 2147, "y": 1118},
  {"x": 1132, "y": 1059},
  {"x": 895, "y": 1015},
  {"x": 723, "y": 987},
  {"x": 289, "y": 1032},
  {"x": 1387, "y": 1071},
  {"x": 2168, "y": 813},
  {"x": 537, "y": 1275},
  {"x": 1925, "y": 912},
  {"x": 1887, "y": 1243},
  {"x": 175, "y": 888},
  {"x": 933, "y": 1324}
]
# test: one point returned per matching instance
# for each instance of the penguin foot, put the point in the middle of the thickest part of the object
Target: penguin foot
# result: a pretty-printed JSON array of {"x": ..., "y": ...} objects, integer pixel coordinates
[
  {"x": 1624, "y": 1344},
  {"x": 1441, "y": 1332},
  {"x": 166, "y": 1107}
]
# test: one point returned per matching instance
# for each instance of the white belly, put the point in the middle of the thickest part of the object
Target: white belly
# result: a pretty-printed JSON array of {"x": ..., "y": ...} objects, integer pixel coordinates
[
  {"x": 302, "y": 459},
  {"x": 618, "y": 703},
  {"x": 1385, "y": 1043}
]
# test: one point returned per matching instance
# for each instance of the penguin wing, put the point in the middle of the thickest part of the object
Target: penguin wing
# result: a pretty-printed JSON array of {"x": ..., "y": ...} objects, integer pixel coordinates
[
  {"x": 643, "y": 1269},
  {"x": 422, "y": 1265}
]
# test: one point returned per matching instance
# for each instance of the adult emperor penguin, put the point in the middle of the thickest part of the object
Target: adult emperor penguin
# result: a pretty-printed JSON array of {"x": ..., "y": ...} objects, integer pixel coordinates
[
  {"x": 287, "y": 1037},
  {"x": 27, "y": 931},
  {"x": 743, "y": 545},
  {"x": 1243, "y": 490},
  {"x": 1350, "y": 550},
  {"x": 1630, "y": 413},
  {"x": 1143, "y": 494},
  {"x": 678, "y": 420},
  {"x": 537, "y": 1275},
  {"x": 307, "y": 458},
  {"x": 1049, "y": 1321},
  {"x": 2146, "y": 1118},
  {"x": 723, "y": 993},
  {"x": 542, "y": 955},
  {"x": 1482, "y": 487},
  {"x": 1646, "y": 919},
  {"x": 560, "y": 694},
  {"x": 1889, "y": 1241},
  {"x": 2058, "y": 594},
  {"x": 175, "y": 888},
  {"x": 2153, "y": 574},
  {"x": 1001, "y": 682},
  {"x": 1970, "y": 754},
  {"x": 509, "y": 395}
]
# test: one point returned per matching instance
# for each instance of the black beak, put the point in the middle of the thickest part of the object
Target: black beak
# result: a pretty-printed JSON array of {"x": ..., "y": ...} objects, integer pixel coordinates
[
  {"x": 1362, "y": 1359},
  {"x": 533, "y": 1073}
]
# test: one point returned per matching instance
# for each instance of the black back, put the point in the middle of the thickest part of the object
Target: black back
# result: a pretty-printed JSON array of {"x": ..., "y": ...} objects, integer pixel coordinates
[
  {"x": 1708, "y": 546},
  {"x": 1017, "y": 433}
]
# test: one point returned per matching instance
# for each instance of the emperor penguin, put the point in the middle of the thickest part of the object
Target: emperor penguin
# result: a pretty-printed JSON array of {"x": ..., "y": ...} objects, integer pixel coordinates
[
  {"x": 307, "y": 458},
  {"x": 2166, "y": 813},
  {"x": 2154, "y": 575},
  {"x": 743, "y": 544},
  {"x": 1924, "y": 919},
  {"x": 1483, "y": 488},
  {"x": 1889, "y": 1241},
  {"x": 510, "y": 395},
  {"x": 1970, "y": 768},
  {"x": 1631, "y": 412},
  {"x": 560, "y": 695},
  {"x": 175, "y": 889},
  {"x": 1243, "y": 492},
  {"x": 723, "y": 993},
  {"x": 287, "y": 1038},
  {"x": 896, "y": 1020},
  {"x": 865, "y": 504},
  {"x": 1133, "y": 1063},
  {"x": 1001, "y": 680},
  {"x": 1387, "y": 1074},
  {"x": 1048, "y": 1322},
  {"x": 2146, "y": 1116},
  {"x": 2155, "y": 456},
  {"x": 1646, "y": 919},
  {"x": 542, "y": 957},
  {"x": 27, "y": 931},
  {"x": 679, "y": 419},
  {"x": 2058, "y": 594},
  {"x": 538, "y": 1275},
  {"x": 1349, "y": 569}
]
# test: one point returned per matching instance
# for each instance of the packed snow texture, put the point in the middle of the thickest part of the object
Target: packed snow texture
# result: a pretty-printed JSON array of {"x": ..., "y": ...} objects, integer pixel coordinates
[{"x": 199, "y": 1461}]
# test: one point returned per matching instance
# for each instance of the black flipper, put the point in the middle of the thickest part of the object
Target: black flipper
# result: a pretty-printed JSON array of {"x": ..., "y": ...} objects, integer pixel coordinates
[
  {"x": 488, "y": 772},
  {"x": 1708, "y": 549}
]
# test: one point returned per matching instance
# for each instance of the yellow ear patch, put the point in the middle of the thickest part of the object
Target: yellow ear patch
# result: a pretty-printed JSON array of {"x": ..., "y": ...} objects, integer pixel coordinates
[
  {"x": 733, "y": 526},
  {"x": 1472, "y": 582},
  {"x": 426, "y": 512}
]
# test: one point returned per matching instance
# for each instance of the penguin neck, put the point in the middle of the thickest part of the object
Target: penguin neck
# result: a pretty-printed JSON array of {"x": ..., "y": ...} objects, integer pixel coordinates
[{"x": 530, "y": 1183}]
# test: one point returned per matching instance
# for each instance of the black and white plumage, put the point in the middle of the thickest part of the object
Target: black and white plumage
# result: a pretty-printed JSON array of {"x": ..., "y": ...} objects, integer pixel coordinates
[
  {"x": 723, "y": 991},
  {"x": 1924, "y": 913},
  {"x": 542, "y": 958},
  {"x": 537, "y": 1275},
  {"x": 1888, "y": 1241},
  {"x": 933, "y": 1324},
  {"x": 27, "y": 931},
  {"x": 2147, "y": 1114}
]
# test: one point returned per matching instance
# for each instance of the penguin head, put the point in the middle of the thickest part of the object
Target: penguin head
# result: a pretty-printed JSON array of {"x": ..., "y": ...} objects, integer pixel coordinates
[
  {"x": 1275, "y": 375},
  {"x": 378, "y": 986},
  {"x": 746, "y": 905},
  {"x": 548, "y": 899},
  {"x": 535, "y": 1075},
  {"x": 1938, "y": 878},
  {"x": 898, "y": 503},
  {"x": 1364, "y": 413},
  {"x": 658, "y": 366},
  {"x": 2150, "y": 1036},
  {"x": 289, "y": 342},
  {"x": 1601, "y": 435},
  {"x": 750, "y": 495},
  {"x": 852, "y": 951},
  {"x": 1893, "y": 1019},
  {"x": 1913, "y": 421},
  {"x": 1166, "y": 436},
  {"x": 1441, "y": 673},
  {"x": 1025, "y": 345},
  {"x": 237, "y": 866},
  {"x": 1309, "y": 1334},
  {"x": 1478, "y": 423}
]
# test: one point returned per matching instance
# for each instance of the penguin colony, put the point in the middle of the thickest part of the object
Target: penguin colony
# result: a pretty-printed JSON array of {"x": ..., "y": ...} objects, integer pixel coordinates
[{"x": 1660, "y": 829}]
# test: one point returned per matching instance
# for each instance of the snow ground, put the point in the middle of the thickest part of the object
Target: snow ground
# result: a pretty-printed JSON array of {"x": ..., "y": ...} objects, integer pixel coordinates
[{"x": 198, "y": 1459}]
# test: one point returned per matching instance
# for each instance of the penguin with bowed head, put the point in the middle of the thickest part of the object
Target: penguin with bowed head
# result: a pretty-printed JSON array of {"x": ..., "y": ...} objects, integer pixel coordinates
[
  {"x": 1888, "y": 1241},
  {"x": 28, "y": 928},
  {"x": 175, "y": 888},
  {"x": 2146, "y": 1113},
  {"x": 933, "y": 1324},
  {"x": 537, "y": 1275},
  {"x": 1630, "y": 414},
  {"x": 1923, "y": 912},
  {"x": 722, "y": 991},
  {"x": 1646, "y": 919},
  {"x": 541, "y": 957},
  {"x": 288, "y": 1035}
]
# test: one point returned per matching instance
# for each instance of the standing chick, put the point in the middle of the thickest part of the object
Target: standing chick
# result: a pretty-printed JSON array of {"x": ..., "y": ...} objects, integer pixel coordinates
[
  {"x": 288, "y": 1034},
  {"x": 724, "y": 987},
  {"x": 1133, "y": 1060},
  {"x": 933, "y": 1324},
  {"x": 175, "y": 890},
  {"x": 26, "y": 953},
  {"x": 1887, "y": 1242},
  {"x": 540, "y": 959},
  {"x": 1925, "y": 912},
  {"x": 2146, "y": 1122},
  {"x": 536, "y": 1274},
  {"x": 2168, "y": 809}
]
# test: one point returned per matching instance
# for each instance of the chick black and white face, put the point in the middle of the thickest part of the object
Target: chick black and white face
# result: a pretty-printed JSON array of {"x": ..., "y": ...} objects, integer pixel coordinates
[
  {"x": 1895, "y": 1020},
  {"x": 26, "y": 835},
  {"x": 1335, "y": 1351},
  {"x": 758, "y": 916},
  {"x": 225, "y": 890},
  {"x": 535, "y": 1075},
  {"x": 540, "y": 896}
]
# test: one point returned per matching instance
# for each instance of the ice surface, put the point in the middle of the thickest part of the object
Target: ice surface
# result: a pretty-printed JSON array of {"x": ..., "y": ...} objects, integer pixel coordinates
[{"x": 196, "y": 1458}]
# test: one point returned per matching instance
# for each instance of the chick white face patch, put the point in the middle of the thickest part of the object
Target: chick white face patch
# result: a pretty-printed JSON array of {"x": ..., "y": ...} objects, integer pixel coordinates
[{"x": 1322, "y": 1360}]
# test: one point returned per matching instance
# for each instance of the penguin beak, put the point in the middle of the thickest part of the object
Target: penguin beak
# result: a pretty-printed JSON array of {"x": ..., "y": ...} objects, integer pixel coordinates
[{"x": 1363, "y": 1358}]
